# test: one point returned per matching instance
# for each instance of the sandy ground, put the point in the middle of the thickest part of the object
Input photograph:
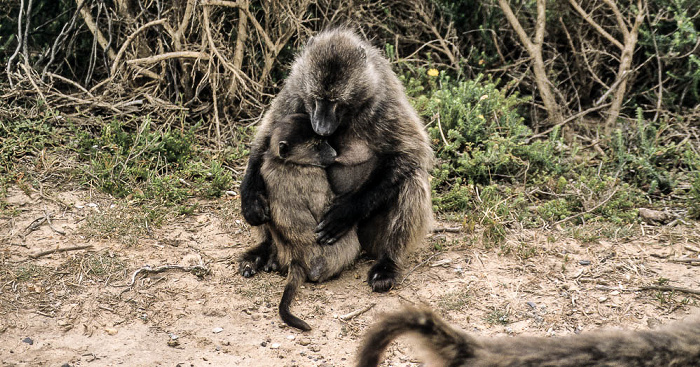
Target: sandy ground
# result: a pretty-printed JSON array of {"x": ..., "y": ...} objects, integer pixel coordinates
[{"x": 80, "y": 308}]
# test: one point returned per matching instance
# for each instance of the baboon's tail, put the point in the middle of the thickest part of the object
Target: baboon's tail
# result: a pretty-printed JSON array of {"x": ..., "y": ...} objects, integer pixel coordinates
[
  {"x": 295, "y": 277},
  {"x": 440, "y": 338}
]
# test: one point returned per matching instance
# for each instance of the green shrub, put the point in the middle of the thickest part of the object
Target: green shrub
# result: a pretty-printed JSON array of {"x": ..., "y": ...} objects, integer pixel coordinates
[
  {"x": 476, "y": 130},
  {"x": 144, "y": 163}
]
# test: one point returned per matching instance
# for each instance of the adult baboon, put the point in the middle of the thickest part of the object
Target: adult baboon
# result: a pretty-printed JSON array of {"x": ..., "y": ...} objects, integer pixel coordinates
[
  {"x": 677, "y": 345},
  {"x": 298, "y": 190},
  {"x": 354, "y": 99}
]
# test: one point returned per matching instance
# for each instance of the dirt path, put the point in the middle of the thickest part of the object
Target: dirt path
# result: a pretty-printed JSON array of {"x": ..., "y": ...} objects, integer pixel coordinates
[{"x": 77, "y": 308}]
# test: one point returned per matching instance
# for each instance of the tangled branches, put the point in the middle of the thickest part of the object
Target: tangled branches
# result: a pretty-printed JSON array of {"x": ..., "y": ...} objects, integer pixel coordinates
[{"x": 209, "y": 60}]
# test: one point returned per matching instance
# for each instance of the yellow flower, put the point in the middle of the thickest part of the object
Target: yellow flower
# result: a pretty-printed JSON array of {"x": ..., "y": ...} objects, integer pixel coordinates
[
  {"x": 433, "y": 72},
  {"x": 481, "y": 117}
]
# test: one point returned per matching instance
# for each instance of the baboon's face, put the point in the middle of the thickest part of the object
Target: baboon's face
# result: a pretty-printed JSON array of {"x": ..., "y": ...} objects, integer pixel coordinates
[
  {"x": 337, "y": 81},
  {"x": 294, "y": 142}
]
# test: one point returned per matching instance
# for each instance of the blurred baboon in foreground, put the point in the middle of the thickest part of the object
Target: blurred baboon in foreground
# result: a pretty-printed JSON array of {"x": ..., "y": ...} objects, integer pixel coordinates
[
  {"x": 298, "y": 192},
  {"x": 354, "y": 99},
  {"x": 677, "y": 345}
]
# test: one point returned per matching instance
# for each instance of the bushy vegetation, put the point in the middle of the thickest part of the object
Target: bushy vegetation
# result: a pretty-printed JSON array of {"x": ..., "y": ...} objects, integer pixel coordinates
[
  {"x": 163, "y": 133},
  {"x": 164, "y": 166},
  {"x": 490, "y": 171}
]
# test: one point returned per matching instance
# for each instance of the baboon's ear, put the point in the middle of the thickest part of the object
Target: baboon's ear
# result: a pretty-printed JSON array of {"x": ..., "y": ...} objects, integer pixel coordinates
[{"x": 284, "y": 149}]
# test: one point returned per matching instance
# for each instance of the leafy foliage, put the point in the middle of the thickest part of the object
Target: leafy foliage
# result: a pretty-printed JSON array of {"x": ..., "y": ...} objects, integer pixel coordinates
[
  {"x": 150, "y": 164},
  {"x": 492, "y": 170}
]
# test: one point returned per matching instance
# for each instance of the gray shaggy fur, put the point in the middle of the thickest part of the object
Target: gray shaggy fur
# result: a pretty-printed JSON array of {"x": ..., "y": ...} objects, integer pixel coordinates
[
  {"x": 677, "y": 345},
  {"x": 298, "y": 191},
  {"x": 355, "y": 99}
]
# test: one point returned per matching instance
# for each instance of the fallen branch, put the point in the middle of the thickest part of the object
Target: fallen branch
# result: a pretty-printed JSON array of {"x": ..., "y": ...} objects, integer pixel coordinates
[
  {"x": 48, "y": 219},
  {"x": 356, "y": 313},
  {"x": 189, "y": 269},
  {"x": 34, "y": 225},
  {"x": 68, "y": 81},
  {"x": 685, "y": 260},
  {"x": 169, "y": 55},
  {"x": 447, "y": 229},
  {"x": 57, "y": 250},
  {"x": 670, "y": 288}
]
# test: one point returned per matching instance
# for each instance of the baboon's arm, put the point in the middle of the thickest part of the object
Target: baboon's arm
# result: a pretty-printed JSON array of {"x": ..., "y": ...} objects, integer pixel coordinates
[
  {"x": 254, "y": 205},
  {"x": 381, "y": 188}
]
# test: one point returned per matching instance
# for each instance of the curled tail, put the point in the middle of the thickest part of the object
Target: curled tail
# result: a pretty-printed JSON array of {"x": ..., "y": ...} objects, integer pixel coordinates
[
  {"x": 440, "y": 338},
  {"x": 295, "y": 277}
]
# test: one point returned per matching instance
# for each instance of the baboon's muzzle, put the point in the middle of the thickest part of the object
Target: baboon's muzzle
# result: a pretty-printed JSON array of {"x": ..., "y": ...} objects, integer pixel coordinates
[{"x": 323, "y": 119}]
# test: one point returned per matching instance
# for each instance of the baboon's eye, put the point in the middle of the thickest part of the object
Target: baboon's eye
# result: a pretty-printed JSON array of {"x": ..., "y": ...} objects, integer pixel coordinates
[{"x": 284, "y": 149}]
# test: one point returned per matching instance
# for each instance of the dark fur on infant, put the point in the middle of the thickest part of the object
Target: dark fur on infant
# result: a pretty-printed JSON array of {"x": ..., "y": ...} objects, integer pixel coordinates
[{"x": 294, "y": 171}]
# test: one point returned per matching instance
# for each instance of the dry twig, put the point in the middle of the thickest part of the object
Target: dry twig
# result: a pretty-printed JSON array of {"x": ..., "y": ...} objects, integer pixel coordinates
[
  {"x": 351, "y": 315},
  {"x": 57, "y": 250},
  {"x": 670, "y": 288},
  {"x": 149, "y": 270}
]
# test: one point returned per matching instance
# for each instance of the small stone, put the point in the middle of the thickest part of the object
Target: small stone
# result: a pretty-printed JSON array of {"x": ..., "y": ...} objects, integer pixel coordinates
[
  {"x": 602, "y": 299},
  {"x": 532, "y": 305},
  {"x": 291, "y": 337},
  {"x": 217, "y": 330},
  {"x": 315, "y": 348},
  {"x": 275, "y": 346},
  {"x": 584, "y": 262},
  {"x": 28, "y": 341},
  {"x": 111, "y": 331},
  {"x": 304, "y": 341},
  {"x": 173, "y": 343},
  {"x": 263, "y": 344},
  {"x": 615, "y": 293}
]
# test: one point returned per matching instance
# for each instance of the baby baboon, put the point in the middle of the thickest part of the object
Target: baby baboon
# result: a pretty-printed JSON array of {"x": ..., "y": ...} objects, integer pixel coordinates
[
  {"x": 293, "y": 170},
  {"x": 675, "y": 345},
  {"x": 352, "y": 95}
]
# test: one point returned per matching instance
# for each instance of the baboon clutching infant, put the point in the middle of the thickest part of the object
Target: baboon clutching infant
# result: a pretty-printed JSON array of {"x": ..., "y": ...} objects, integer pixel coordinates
[
  {"x": 676, "y": 345},
  {"x": 293, "y": 170},
  {"x": 353, "y": 98}
]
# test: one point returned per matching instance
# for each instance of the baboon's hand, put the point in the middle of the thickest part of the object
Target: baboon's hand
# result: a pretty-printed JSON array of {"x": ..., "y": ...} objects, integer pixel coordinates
[
  {"x": 255, "y": 208},
  {"x": 336, "y": 222}
]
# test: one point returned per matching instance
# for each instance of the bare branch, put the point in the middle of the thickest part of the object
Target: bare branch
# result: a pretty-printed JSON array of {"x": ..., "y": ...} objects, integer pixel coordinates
[
  {"x": 120, "y": 53},
  {"x": 595, "y": 25},
  {"x": 513, "y": 20},
  {"x": 170, "y": 55},
  {"x": 534, "y": 49},
  {"x": 90, "y": 22},
  {"x": 621, "y": 23}
]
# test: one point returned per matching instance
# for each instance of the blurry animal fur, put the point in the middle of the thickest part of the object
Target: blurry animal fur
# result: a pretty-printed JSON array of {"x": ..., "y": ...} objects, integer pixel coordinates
[{"x": 677, "y": 344}]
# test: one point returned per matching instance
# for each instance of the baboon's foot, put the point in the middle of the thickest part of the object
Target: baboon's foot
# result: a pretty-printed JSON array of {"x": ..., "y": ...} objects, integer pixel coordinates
[
  {"x": 256, "y": 259},
  {"x": 318, "y": 269},
  {"x": 382, "y": 275}
]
